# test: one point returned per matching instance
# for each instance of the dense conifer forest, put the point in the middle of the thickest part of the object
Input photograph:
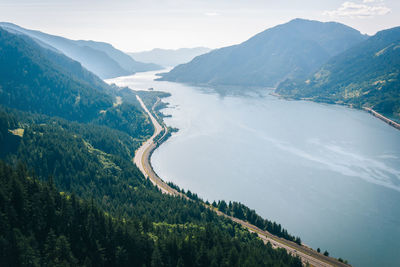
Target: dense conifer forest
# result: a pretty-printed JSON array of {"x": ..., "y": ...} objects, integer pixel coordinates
[
  {"x": 366, "y": 75},
  {"x": 70, "y": 194},
  {"x": 43, "y": 227}
]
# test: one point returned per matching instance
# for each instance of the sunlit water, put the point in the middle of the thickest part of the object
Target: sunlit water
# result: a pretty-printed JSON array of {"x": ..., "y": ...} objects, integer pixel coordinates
[{"x": 327, "y": 173}]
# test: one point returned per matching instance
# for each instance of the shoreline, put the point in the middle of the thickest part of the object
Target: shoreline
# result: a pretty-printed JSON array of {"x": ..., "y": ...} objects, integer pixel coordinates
[
  {"x": 382, "y": 118},
  {"x": 367, "y": 109},
  {"x": 143, "y": 154},
  {"x": 143, "y": 162}
]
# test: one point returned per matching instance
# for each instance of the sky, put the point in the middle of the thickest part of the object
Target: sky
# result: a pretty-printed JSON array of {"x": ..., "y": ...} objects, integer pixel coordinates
[{"x": 137, "y": 25}]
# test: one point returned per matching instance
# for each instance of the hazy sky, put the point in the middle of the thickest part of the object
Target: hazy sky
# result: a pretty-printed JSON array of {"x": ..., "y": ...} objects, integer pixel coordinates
[{"x": 134, "y": 25}]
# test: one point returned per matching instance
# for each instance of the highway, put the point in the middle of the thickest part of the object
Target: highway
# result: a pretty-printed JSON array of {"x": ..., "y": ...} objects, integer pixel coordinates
[{"x": 142, "y": 161}]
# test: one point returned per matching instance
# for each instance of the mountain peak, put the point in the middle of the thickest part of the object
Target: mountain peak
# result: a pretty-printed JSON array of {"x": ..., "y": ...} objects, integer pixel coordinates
[
  {"x": 100, "y": 58},
  {"x": 392, "y": 31},
  {"x": 301, "y": 20},
  {"x": 289, "y": 50},
  {"x": 366, "y": 75}
]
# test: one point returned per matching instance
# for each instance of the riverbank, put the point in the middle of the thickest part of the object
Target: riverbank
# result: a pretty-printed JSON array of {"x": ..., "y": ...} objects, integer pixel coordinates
[
  {"x": 369, "y": 110},
  {"x": 142, "y": 160},
  {"x": 383, "y": 118},
  {"x": 143, "y": 153}
]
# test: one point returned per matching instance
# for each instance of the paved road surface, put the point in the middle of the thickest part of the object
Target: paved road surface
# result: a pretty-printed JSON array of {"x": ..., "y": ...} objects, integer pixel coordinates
[{"x": 142, "y": 161}]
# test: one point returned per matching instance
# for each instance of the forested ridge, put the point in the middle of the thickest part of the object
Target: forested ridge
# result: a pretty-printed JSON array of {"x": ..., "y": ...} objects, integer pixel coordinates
[
  {"x": 70, "y": 194},
  {"x": 103, "y": 191},
  {"x": 38, "y": 80},
  {"x": 291, "y": 50},
  {"x": 100, "y": 58},
  {"x": 42, "y": 227},
  {"x": 242, "y": 212},
  {"x": 367, "y": 75}
]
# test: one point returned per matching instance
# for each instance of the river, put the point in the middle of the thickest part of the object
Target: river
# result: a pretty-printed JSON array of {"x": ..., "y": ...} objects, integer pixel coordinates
[{"x": 327, "y": 173}]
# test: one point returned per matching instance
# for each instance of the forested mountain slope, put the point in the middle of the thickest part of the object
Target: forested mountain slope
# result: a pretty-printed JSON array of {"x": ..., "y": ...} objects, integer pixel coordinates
[
  {"x": 291, "y": 50},
  {"x": 100, "y": 58},
  {"x": 39, "y": 80},
  {"x": 96, "y": 208},
  {"x": 94, "y": 163},
  {"x": 42, "y": 227},
  {"x": 365, "y": 75}
]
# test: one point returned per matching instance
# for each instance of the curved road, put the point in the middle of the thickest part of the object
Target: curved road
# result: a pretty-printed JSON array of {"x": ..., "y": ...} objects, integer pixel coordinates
[
  {"x": 143, "y": 153},
  {"x": 142, "y": 161}
]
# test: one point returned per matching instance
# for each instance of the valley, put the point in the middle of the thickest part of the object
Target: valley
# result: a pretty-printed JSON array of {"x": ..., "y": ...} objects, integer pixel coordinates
[
  {"x": 305, "y": 156},
  {"x": 243, "y": 140}
]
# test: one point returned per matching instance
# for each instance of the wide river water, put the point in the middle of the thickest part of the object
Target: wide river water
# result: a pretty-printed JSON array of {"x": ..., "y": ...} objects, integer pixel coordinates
[{"x": 327, "y": 173}]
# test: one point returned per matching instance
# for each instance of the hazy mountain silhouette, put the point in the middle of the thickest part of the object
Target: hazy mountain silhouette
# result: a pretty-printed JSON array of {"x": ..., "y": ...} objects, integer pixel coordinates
[
  {"x": 40, "y": 80},
  {"x": 365, "y": 75},
  {"x": 100, "y": 58},
  {"x": 291, "y": 50},
  {"x": 169, "y": 57}
]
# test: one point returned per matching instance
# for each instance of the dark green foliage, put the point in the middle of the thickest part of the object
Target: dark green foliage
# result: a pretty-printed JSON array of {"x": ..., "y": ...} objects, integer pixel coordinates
[
  {"x": 8, "y": 140},
  {"x": 290, "y": 50},
  {"x": 152, "y": 99},
  {"x": 126, "y": 118},
  {"x": 41, "y": 227},
  {"x": 67, "y": 152},
  {"x": 95, "y": 208},
  {"x": 365, "y": 75},
  {"x": 100, "y": 58},
  {"x": 60, "y": 152},
  {"x": 38, "y": 80},
  {"x": 29, "y": 80},
  {"x": 241, "y": 211},
  {"x": 222, "y": 207},
  {"x": 104, "y": 138}
]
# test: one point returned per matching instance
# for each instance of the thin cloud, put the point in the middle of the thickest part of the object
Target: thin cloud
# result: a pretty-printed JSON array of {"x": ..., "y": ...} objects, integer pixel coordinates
[
  {"x": 369, "y": 8},
  {"x": 211, "y": 14}
]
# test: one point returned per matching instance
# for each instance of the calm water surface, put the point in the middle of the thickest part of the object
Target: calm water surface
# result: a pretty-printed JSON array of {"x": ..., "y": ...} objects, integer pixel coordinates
[{"x": 327, "y": 173}]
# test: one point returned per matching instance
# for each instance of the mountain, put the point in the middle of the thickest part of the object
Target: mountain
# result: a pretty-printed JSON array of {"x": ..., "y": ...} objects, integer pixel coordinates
[
  {"x": 290, "y": 50},
  {"x": 70, "y": 194},
  {"x": 169, "y": 57},
  {"x": 365, "y": 75},
  {"x": 100, "y": 58},
  {"x": 42, "y": 226},
  {"x": 39, "y": 80},
  {"x": 124, "y": 60}
]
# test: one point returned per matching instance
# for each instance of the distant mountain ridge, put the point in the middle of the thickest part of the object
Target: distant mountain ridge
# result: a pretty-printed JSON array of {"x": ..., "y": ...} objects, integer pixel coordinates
[
  {"x": 291, "y": 50},
  {"x": 169, "y": 57},
  {"x": 367, "y": 75},
  {"x": 43, "y": 81},
  {"x": 100, "y": 58},
  {"x": 70, "y": 193},
  {"x": 39, "y": 80}
]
